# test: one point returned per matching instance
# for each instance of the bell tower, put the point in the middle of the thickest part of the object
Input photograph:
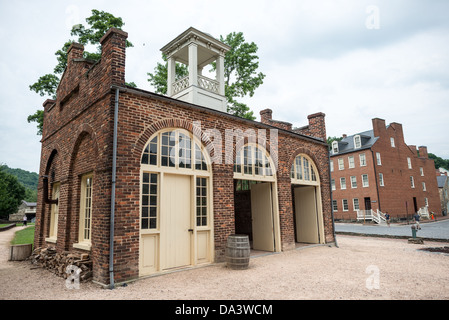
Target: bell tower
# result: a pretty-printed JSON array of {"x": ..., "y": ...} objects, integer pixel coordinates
[{"x": 197, "y": 49}]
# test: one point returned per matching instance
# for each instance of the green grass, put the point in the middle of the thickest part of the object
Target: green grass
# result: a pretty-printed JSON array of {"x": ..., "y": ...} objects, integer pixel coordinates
[{"x": 24, "y": 236}]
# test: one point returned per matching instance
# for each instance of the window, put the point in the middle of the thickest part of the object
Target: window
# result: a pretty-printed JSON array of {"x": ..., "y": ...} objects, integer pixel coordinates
[
  {"x": 201, "y": 202},
  {"x": 174, "y": 149},
  {"x": 421, "y": 171},
  {"x": 331, "y": 163},
  {"x": 343, "y": 183},
  {"x": 341, "y": 164},
  {"x": 345, "y": 205},
  {"x": 85, "y": 222},
  {"x": 251, "y": 160},
  {"x": 362, "y": 160},
  {"x": 379, "y": 161},
  {"x": 353, "y": 182},
  {"x": 412, "y": 182},
  {"x": 392, "y": 142},
  {"x": 357, "y": 142},
  {"x": 424, "y": 186},
  {"x": 149, "y": 200},
  {"x": 381, "y": 179},
  {"x": 351, "y": 161},
  {"x": 409, "y": 163},
  {"x": 365, "y": 181},
  {"x": 333, "y": 184},
  {"x": 54, "y": 214},
  {"x": 335, "y": 147},
  {"x": 426, "y": 201},
  {"x": 355, "y": 203},
  {"x": 334, "y": 205},
  {"x": 303, "y": 171}
]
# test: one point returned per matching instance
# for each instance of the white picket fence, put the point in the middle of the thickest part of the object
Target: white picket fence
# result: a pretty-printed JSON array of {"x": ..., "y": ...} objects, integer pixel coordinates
[{"x": 371, "y": 215}]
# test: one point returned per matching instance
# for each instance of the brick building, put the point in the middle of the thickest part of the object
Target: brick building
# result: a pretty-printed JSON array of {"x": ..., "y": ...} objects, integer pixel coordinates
[
  {"x": 377, "y": 170},
  {"x": 147, "y": 183}
]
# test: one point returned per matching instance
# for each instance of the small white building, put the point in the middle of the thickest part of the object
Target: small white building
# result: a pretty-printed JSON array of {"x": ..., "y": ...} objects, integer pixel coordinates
[{"x": 26, "y": 208}]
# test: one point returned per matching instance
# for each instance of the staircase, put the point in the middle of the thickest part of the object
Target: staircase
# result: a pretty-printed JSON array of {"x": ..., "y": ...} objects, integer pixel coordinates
[{"x": 371, "y": 215}]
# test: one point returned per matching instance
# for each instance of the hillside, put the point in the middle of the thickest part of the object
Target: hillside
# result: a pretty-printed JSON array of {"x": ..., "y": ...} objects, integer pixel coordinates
[{"x": 27, "y": 178}]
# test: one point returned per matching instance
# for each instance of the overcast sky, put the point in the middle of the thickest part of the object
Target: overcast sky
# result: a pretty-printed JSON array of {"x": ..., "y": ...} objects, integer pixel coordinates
[{"x": 353, "y": 60}]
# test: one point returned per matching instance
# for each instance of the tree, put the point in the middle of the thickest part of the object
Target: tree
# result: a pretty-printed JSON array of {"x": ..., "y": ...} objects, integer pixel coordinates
[
  {"x": 439, "y": 162},
  {"x": 12, "y": 192},
  {"x": 241, "y": 76},
  {"x": 98, "y": 24},
  {"x": 332, "y": 139}
]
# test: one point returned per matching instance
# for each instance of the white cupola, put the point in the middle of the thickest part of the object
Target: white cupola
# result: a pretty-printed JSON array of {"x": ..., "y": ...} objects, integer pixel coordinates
[{"x": 197, "y": 49}]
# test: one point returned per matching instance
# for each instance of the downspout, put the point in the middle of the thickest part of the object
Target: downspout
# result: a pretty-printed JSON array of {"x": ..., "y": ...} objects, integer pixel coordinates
[
  {"x": 114, "y": 169},
  {"x": 332, "y": 200},
  {"x": 375, "y": 179}
]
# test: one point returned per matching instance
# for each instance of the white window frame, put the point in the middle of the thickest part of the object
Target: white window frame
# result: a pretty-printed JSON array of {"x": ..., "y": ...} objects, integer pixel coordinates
[
  {"x": 424, "y": 186},
  {"x": 426, "y": 201},
  {"x": 341, "y": 164},
  {"x": 351, "y": 162},
  {"x": 84, "y": 242},
  {"x": 353, "y": 182},
  {"x": 343, "y": 204},
  {"x": 335, "y": 205},
  {"x": 365, "y": 184},
  {"x": 362, "y": 158},
  {"x": 335, "y": 147},
  {"x": 378, "y": 158},
  {"x": 357, "y": 142},
  {"x": 333, "y": 184},
  {"x": 381, "y": 180},
  {"x": 331, "y": 163},
  {"x": 421, "y": 171},
  {"x": 412, "y": 182},
  {"x": 409, "y": 163},
  {"x": 392, "y": 142},
  {"x": 354, "y": 205},
  {"x": 54, "y": 214},
  {"x": 342, "y": 183}
]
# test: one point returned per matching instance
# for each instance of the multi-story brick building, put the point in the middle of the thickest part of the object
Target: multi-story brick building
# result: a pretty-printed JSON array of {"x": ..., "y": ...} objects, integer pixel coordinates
[
  {"x": 147, "y": 183},
  {"x": 377, "y": 170}
]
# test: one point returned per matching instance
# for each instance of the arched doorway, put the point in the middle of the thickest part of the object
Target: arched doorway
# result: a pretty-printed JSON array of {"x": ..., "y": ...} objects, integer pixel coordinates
[
  {"x": 176, "y": 220},
  {"x": 306, "y": 194},
  {"x": 256, "y": 201}
]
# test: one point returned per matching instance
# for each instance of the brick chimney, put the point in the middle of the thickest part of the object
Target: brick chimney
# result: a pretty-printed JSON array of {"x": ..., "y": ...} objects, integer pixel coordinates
[
  {"x": 266, "y": 115},
  {"x": 317, "y": 125},
  {"x": 113, "y": 47},
  {"x": 378, "y": 126},
  {"x": 423, "y": 152}
]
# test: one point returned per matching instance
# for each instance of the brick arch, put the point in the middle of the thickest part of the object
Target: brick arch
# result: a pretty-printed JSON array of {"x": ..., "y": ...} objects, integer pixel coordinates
[
  {"x": 142, "y": 141},
  {"x": 84, "y": 130}
]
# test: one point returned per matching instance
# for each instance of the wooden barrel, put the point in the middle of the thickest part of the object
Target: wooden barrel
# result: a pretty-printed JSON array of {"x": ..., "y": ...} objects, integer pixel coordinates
[{"x": 237, "y": 251}]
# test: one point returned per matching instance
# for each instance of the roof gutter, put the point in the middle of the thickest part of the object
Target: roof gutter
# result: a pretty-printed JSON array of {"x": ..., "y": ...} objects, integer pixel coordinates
[{"x": 114, "y": 170}]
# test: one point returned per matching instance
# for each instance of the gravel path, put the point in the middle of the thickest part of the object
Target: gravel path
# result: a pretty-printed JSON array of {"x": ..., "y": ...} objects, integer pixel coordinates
[{"x": 360, "y": 268}]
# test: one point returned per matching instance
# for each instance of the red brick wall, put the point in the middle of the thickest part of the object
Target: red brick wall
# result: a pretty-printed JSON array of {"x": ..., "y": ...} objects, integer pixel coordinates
[{"x": 78, "y": 132}]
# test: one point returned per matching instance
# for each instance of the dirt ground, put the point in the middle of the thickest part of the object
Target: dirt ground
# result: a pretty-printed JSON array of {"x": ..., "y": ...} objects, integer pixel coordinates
[{"x": 359, "y": 268}]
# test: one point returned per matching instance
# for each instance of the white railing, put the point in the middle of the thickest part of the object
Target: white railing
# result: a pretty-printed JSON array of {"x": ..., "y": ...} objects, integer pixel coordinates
[
  {"x": 424, "y": 212},
  {"x": 376, "y": 216},
  {"x": 180, "y": 85},
  {"x": 203, "y": 82},
  {"x": 208, "y": 84}
]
